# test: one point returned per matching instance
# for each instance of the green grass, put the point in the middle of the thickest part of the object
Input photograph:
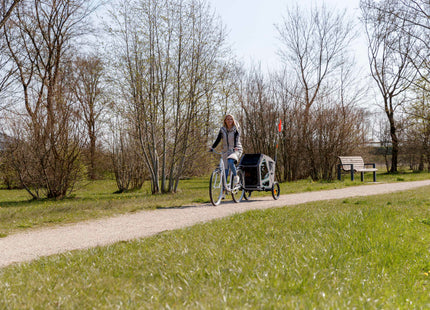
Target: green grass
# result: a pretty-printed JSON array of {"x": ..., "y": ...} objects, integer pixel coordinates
[
  {"x": 97, "y": 199},
  {"x": 94, "y": 200},
  {"x": 367, "y": 252}
]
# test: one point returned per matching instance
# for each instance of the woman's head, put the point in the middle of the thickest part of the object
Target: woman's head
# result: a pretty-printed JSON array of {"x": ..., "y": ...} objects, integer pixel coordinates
[{"x": 229, "y": 121}]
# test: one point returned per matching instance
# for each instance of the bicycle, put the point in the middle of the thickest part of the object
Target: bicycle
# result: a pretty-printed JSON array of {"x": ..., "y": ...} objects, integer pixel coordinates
[{"x": 218, "y": 184}]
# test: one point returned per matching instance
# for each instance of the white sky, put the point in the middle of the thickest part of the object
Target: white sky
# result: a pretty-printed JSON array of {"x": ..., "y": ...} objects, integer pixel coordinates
[{"x": 252, "y": 33}]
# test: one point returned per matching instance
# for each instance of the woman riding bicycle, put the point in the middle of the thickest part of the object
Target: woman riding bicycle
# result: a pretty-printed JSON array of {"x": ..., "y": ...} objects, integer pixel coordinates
[{"x": 229, "y": 133}]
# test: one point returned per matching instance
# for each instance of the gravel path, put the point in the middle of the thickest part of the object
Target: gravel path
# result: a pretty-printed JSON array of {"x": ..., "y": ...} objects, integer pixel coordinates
[{"x": 32, "y": 244}]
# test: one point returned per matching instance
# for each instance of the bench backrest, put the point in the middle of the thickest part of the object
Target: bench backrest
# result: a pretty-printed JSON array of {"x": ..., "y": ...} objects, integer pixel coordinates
[{"x": 346, "y": 161}]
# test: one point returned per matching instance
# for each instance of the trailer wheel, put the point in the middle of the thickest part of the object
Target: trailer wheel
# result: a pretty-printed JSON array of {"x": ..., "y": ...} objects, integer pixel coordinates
[{"x": 276, "y": 190}]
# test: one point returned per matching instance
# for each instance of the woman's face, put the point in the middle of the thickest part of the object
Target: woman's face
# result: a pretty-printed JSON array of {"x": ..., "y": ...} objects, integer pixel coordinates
[{"x": 229, "y": 121}]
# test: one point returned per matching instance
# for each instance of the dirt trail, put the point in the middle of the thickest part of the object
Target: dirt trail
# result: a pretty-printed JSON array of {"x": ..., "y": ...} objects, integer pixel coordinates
[{"x": 32, "y": 244}]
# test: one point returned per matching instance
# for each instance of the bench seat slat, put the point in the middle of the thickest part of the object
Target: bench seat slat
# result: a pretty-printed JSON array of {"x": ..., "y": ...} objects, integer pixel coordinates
[{"x": 368, "y": 170}]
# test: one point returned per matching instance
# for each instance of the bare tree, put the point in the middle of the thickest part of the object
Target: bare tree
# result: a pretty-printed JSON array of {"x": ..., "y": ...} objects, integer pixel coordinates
[
  {"x": 195, "y": 70},
  {"x": 6, "y": 68},
  {"x": 39, "y": 41},
  {"x": 229, "y": 81},
  {"x": 336, "y": 124},
  {"x": 418, "y": 129},
  {"x": 6, "y": 9},
  {"x": 390, "y": 51},
  {"x": 412, "y": 17},
  {"x": 130, "y": 172},
  {"x": 291, "y": 149},
  {"x": 260, "y": 114},
  {"x": 6, "y": 74},
  {"x": 314, "y": 46},
  {"x": 171, "y": 50},
  {"x": 88, "y": 90},
  {"x": 338, "y": 128}
]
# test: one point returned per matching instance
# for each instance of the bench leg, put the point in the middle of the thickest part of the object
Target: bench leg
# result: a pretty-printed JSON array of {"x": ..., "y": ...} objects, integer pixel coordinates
[
  {"x": 362, "y": 176},
  {"x": 352, "y": 174},
  {"x": 374, "y": 176},
  {"x": 339, "y": 176}
]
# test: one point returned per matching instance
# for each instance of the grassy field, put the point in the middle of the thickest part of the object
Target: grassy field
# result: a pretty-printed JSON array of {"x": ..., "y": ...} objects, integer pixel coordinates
[
  {"x": 97, "y": 199},
  {"x": 368, "y": 253}
]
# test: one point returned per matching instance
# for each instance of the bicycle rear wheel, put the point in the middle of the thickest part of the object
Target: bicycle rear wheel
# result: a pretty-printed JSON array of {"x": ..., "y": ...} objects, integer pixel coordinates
[
  {"x": 238, "y": 192},
  {"x": 215, "y": 187},
  {"x": 247, "y": 195}
]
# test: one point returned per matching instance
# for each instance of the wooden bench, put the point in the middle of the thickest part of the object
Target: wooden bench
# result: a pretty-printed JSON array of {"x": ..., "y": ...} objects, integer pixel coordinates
[{"x": 352, "y": 164}]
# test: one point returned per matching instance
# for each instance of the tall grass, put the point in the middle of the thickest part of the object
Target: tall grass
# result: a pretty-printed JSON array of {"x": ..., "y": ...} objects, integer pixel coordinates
[{"x": 367, "y": 253}]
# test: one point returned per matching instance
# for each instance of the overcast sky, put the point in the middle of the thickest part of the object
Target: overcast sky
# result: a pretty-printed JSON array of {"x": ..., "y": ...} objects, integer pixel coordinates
[{"x": 252, "y": 33}]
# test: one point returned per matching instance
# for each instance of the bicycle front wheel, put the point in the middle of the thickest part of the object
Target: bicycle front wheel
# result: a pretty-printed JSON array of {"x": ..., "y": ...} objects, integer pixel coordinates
[{"x": 215, "y": 187}]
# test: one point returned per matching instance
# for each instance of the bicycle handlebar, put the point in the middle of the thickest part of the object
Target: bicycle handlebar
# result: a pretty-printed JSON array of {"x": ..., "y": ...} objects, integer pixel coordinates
[
  {"x": 215, "y": 152},
  {"x": 218, "y": 153}
]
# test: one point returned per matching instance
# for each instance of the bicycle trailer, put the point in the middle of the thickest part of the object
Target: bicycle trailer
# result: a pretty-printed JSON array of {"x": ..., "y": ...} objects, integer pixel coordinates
[{"x": 259, "y": 172}]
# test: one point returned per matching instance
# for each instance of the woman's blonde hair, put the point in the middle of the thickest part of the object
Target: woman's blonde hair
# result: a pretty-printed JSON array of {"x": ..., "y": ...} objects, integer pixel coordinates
[{"x": 234, "y": 121}]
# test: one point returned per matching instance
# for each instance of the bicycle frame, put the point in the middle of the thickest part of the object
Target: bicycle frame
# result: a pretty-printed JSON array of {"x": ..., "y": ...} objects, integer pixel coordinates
[{"x": 221, "y": 166}]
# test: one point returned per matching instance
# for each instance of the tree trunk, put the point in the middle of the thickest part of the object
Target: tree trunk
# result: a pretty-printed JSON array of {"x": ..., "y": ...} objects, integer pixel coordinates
[{"x": 393, "y": 134}]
